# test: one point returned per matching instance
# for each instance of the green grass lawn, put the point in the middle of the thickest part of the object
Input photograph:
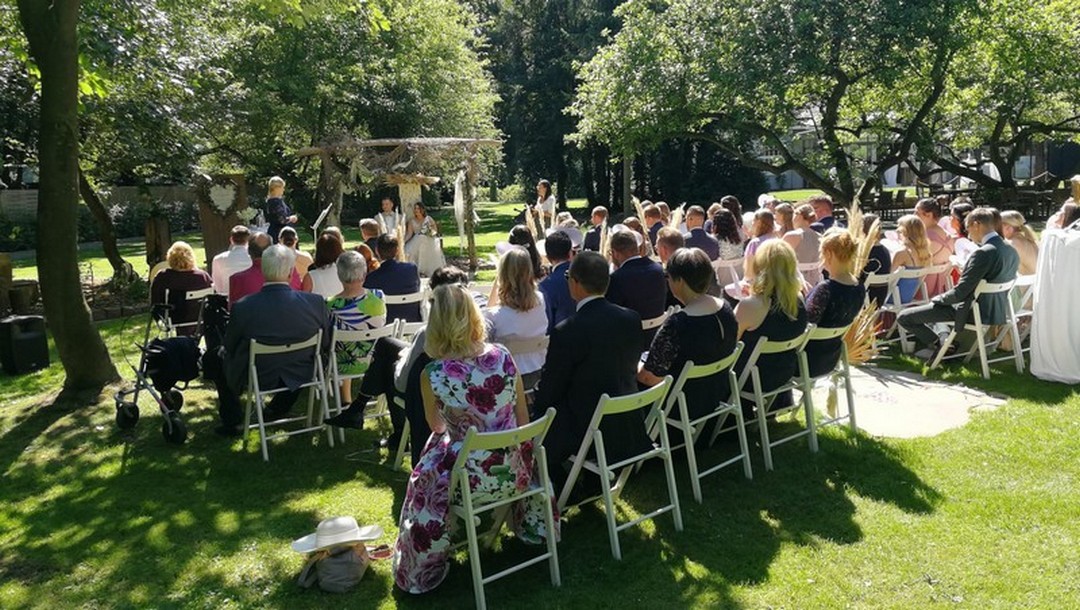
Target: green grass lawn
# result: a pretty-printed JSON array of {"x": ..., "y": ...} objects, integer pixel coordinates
[
  {"x": 796, "y": 195},
  {"x": 987, "y": 516}
]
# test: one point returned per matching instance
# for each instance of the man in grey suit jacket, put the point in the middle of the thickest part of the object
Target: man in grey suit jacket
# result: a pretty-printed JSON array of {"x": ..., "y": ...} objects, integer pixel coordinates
[
  {"x": 995, "y": 261},
  {"x": 276, "y": 315}
]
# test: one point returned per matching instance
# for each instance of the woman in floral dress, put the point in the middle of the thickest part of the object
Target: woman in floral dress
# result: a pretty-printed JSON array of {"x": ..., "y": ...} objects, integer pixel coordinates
[{"x": 470, "y": 383}]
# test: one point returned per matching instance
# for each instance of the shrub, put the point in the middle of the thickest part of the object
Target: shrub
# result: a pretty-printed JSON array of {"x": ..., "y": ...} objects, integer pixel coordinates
[{"x": 513, "y": 193}]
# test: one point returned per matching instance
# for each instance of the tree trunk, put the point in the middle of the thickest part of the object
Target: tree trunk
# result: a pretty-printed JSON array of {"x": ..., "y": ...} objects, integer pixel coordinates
[
  {"x": 561, "y": 178},
  {"x": 587, "y": 177},
  {"x": 122, "y": 270},
  {"x": 602, "y": 169},
  {"x": 627, "y": 177},
  {"x": 50, "y": 29}
]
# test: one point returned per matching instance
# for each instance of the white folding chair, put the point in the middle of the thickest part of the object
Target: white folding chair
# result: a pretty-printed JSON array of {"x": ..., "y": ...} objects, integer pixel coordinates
[
  {"x": 341, "y": 337},
  {"x": 467, "y": 510},
  {"x": 257, "y": 396},
  {"x": 1024, "y": 307},
  {"x": 171, "y": 327},
  {"x": 613, "y": 477},
  {"x": 406, "y": 299},
  {"x": 404, "y": 443},
  {"x": 763, "y": 400},
  {"x": 982, "y": 345},
  {"x": 727, "y": 271},
  {"x": 408, "y": 330},
  {"x": 811, "y": 272},
  {"x": 842, "y": 370},
  {"x": 692, "y": 428},
  {"x": 894, "y": 305},
  {"x": 658, "y": 321}
]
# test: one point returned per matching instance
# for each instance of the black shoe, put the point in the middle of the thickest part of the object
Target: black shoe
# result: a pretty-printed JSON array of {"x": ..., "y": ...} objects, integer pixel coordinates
[
  {"x": 948, "y": 353},
  {"x": 229, "y": 431},
  {"x": 347, "y": 420}
]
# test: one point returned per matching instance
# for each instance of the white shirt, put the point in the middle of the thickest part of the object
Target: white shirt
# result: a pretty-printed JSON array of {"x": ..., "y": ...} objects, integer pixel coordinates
[
  {"x": 224, "y": 265},
  {"x": 548, "y": 205},
  {"x": 504, "y": 323},
  {"x": 325, "y": 282}
]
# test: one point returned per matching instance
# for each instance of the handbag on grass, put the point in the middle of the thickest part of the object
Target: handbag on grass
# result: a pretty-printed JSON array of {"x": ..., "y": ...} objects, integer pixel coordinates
[{"x": 336, "y": 555}]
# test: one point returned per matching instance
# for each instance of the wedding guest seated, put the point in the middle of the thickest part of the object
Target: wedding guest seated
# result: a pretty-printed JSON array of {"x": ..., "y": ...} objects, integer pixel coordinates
[
  {"x": 879, "y": 262},
  {"x": 1023, "y": 239},
  {"x": 593, "y": 352},
  {"x": 354, "y": 308},
  {"x": 370, "y": 259},
  {"x": 917, "y": 252},
  {"x": 395, "y": 277},
  {"x": 394, "y": 370},
  {"x": 774, "y": 310},
  {"x": 322, "y": 277},
  {"x": 494, "y": 401},
  {"x": 725, "y": 229},
  {"x": 823, "y": 210},
  {"x": 731, "y": 204},
  {"x": 668, "y": 241},
  {"x": 645, "y": 248},
  {"x": 557, "y": 301},
  {"x": 805, "y": 240},
  {"x": 1065, "y": 217},
  {"x": 835, "y": 302},
  {"x": 665, "y": 212},
  {"x": 518, "y": 312},
  {"x": 994, "y": 261},
  {"x": 288, "y": 237},
  {"x": 654, "y": 221},
  {"x": 763, "y": 230},
  {"x": 180, "y": 278},
  {"x": 696, "y": 237},
  {"x": 962, "y": 246},
  {"x": 598, "y": 220},
  {"x": 276, "y": 314},
  {"x": 520, "y": 235},
  {"x": 638, "y": 283},
  {"x": 251, "y": 280},
  {"x": 785, "y": 218},
  {"x": 941, "y": 244},
  {"x": 703, "y": 331},
  {"x": 768, "y": 202},
  {"x": 336, "y": 232},
  {"x": 233, "y": 260},
  {"x": 709, "y": 215},
  {"x": 369, "y": 232}
]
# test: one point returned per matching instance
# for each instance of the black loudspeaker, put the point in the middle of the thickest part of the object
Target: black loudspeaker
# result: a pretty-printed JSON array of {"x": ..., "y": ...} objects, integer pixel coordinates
[{"x": 23, "y": 345}]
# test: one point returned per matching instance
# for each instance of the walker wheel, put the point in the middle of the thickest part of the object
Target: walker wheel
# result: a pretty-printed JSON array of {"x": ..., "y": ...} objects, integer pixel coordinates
[
  {"x": 127, "y": 415},
  {"x": 174, "y": 399},
  {"x": 173, "y": 429}
]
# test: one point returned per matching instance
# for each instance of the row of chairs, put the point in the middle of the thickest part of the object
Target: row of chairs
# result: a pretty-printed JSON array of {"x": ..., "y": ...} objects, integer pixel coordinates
[{"x": 665, "y": 409}]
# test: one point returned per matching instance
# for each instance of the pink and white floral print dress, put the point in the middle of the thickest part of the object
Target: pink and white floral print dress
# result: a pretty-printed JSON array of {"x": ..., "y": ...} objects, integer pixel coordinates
[{"x": 473, "y": 392}]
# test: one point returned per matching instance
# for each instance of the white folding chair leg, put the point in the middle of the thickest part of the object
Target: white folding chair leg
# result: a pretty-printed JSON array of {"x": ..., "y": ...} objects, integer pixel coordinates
[
  {"x": 669, "y": 467},
  {"x": 474, "y": 548},
  {"x": 549, "y": 519},
  {"x": 605, "y": 489},
  {"x": 403, "y": 444},
  {"x": 744, "y": 445},
  {"x": 763, "y": 427},
  {"x": 811, "y": 423}
]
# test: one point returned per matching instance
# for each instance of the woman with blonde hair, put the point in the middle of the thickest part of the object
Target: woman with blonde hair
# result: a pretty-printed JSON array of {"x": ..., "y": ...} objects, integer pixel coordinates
[
  {"x": 763, "y": 229},
  {"x": 181, "y": 277},
  {"x": 918, "y": 252},
  {"x": 469, "y": 383},
  {"x": 835, "y": 302},
  {"x": 785, "y": 221},
  {"x": 520, "y": 312},
  {"x": 774, "y": 310},
  {"x": 1021, "y": 237}
]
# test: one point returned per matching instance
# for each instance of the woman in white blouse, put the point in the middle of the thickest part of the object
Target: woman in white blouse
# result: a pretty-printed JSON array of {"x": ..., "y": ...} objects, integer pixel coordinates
[
  {"x": 519, "y": 312},
  {"x": 545, "y": 202}
]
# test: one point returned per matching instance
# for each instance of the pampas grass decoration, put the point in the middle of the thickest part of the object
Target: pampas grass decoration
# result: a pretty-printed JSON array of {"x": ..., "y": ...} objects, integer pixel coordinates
[
  {"x": 400, "y": 230},
  {"x": 530, "y": 223},
  {"x": 604, "y": 241}
]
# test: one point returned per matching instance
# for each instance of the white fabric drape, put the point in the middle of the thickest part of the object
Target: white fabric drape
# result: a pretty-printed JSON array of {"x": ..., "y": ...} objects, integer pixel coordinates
[{"x": 1055, "y": 328}]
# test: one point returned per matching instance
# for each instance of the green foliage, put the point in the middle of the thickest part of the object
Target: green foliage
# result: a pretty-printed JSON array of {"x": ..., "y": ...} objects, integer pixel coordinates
[{"x": 513, "y": 193}]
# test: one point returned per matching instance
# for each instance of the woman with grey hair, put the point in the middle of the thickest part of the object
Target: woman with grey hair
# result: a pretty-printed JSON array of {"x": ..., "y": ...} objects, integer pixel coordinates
[{"x": 355, "y": 308}]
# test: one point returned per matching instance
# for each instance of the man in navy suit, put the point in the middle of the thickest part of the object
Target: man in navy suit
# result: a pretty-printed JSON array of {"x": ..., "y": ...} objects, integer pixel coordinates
[
  {"x": 276, "y": 315},
  {"x": 655, "y": 221},
  {"x": 555, "y": 287},
  {"x": 638, "y": 283},
  {"x": 592, "y": 238},
  {"x": 696, "y": 237},
  {"x": 395, "y": 277},
  {"x": 593, "y": 352},
  {"x": 823, "y": 209},
  {"x": 995, "y": 261}
]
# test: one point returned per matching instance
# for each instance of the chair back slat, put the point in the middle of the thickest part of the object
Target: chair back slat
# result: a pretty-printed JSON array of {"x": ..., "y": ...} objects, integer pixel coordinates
[
  {"x": 516, "y": 345},
  {"x": 985, "y": 287},
  {"x": 697, "y": 371},
  {"x": 632, "y": 402},
  {"x": 358, "y": 336},
  {"x": 815, "y": 333},
  {"x": 503, "y": 439},
  {"x": 403, "y": 299},
  {"x": 198, "y": 295},
  {"x": 260, "y": 349}
]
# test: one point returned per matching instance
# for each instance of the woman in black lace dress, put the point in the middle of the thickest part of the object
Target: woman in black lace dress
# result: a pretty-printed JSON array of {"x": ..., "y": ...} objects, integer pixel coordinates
[
  {"x": 704, "y": 331},
  {"x": 834, "y": 302}
]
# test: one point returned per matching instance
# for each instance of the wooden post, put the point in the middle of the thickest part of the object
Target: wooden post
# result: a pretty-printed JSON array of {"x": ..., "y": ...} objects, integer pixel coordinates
[
  {"x": 470, "y": 201},
  {"x": 627, "y": 175}
]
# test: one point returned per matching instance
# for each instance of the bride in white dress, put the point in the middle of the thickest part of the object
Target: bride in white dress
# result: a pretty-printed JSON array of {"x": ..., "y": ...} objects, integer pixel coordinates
[{"x": 422, "y": 245}]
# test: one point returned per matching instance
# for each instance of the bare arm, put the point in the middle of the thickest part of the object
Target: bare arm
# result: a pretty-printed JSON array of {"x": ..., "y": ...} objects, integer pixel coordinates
[
  {"x": 434, "y": 418},
  {"x": 306, "y": 285},
  {"x": 750, "y": 313},
  {"x": 646, "y": 377}
]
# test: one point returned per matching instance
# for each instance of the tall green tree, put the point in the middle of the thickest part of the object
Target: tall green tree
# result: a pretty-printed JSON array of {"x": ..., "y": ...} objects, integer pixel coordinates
[
  {"x": 50, "y": 28},
  {"x": 1014, "y": 86},
  {"x": 836, "y": 92}
]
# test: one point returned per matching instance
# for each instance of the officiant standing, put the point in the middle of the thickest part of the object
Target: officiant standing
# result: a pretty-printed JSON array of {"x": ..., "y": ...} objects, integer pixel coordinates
[{"x": 278, "y": 212}]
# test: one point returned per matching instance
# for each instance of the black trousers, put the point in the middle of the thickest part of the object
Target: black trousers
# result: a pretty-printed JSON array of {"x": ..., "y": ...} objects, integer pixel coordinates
[
  {"x": 917, "y": 321},
  {"x": 378, "y": 380},
  {"x": 230, "y": 409}
]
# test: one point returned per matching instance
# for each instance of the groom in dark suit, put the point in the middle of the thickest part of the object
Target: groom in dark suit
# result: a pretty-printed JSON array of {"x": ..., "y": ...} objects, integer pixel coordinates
[
  {"x": 995, "y": 261},
  {"x": 638, "y": 283},
  {"x": 593, "y": 352}
]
